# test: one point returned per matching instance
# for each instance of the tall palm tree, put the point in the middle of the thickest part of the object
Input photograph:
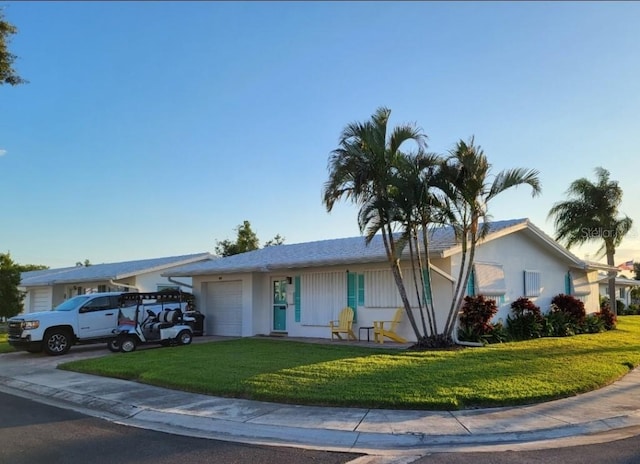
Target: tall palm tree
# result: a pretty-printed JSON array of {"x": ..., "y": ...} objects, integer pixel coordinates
[
  {"x": 362, "y": 169},
  {"x": 470, "y": 187},
  {"x": 591, "y": 214}
]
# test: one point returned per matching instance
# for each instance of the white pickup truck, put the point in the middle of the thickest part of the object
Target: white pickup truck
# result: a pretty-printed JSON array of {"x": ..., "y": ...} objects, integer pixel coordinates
[{"x": 89, "y": 318}]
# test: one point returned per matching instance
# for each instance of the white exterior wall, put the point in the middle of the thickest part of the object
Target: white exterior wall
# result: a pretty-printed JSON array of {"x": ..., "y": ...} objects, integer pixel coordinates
[
  {"x": 149, "y": 281},
  {"x": 517, "y": 253},
  {"x": 257, "y": 306}
]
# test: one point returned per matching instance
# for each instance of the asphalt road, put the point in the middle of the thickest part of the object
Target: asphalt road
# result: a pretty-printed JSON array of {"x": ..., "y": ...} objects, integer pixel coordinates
[{"x": 34, "y": 433}]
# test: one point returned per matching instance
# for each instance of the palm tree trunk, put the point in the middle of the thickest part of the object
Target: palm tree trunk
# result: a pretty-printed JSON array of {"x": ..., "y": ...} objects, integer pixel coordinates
[{"x": 610, "y": 249}]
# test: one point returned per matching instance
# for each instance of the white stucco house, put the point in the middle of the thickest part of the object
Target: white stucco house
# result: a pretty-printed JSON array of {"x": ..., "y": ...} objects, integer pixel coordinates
[
  {"x": 623, "y": 288},
  {"x": 49, "y": 287},
  {"x": 297, "y": 289}
]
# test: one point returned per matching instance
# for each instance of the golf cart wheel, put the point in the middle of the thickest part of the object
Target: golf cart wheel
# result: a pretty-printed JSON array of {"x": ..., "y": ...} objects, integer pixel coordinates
[
  {"x": 114, "y": 345},
  {"x": 128, "y": 344},
  {"x": 184, "y": 337},
  {"x": 57, "y": 342}
]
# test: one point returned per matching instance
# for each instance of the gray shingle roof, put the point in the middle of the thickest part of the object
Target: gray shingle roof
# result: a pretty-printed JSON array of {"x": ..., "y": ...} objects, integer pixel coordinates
[
  {"x": 107, "y": 271},
  {"x": 350, "y": 250}
]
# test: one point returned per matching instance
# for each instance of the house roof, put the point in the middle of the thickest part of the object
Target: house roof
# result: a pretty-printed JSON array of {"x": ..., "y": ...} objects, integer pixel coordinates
[
  {"x": 106, "y": 271},
  {"x": 352, "y": 250},
  {"x": 603, "y": 279}
]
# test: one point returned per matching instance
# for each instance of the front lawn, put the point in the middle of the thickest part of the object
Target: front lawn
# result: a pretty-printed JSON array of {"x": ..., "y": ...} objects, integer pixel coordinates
[
  {"x": 4, "y": 344},
  {"x": 339, "y": 375}
]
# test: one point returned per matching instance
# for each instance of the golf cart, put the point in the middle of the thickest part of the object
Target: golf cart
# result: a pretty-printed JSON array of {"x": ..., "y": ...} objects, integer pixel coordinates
[{"x": 157, "y": 317}]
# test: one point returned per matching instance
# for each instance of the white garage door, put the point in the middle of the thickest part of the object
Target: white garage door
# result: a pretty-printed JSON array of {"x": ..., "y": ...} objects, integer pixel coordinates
[
  {"x": 40, "y": 300},
  {"x": 224, "y": 308}
]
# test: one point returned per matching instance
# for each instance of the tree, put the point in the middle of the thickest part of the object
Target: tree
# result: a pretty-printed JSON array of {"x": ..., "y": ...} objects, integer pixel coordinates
[
  {"x": 591, "y": 215},
  {"x": 86, "y": 263},
  {"x": 246, "y": 240},
  {"x": 10, "y": 297},
  {"x": 469, "y": 187},
  {"x": 31, "y": 267},
  {"x": 363, "y": 169},
  {"x": 8, "y": 75},
  {"x": 277, "y": 240},
  {"x": 636, "y": 271}
]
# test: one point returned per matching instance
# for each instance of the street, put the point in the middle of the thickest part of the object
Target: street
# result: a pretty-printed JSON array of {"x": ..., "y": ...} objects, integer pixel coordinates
[{"x": 34, "y": 433}]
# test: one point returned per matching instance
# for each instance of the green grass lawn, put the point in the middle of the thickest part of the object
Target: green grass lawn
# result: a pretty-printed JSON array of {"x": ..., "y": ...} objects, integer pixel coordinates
[
  {"x": 339, "y": 375},
  {"x": 4, "y": 345}
]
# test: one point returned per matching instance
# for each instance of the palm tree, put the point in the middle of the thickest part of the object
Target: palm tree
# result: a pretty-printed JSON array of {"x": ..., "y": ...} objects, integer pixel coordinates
[
  {"x": 469, "y": 188},
  {"x": 363, "y": 169},
  {"x": 591, "y": 214}
]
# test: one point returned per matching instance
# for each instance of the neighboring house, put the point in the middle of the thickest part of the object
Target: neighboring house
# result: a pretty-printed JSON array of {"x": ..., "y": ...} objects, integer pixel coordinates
[
  {"x": 297, "y": 289},
  {"x": 623, "y": 288},
  {"x": 49, "y": 287}
]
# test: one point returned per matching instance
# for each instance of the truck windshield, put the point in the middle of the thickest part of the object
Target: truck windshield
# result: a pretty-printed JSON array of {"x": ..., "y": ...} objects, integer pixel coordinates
[{"x": 71, "y": 304}]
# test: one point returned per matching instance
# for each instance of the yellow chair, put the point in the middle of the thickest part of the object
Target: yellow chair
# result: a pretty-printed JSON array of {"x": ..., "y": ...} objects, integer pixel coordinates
[
  {"x": 379, "y": 331},
  {"x": 344, "y": 324}
]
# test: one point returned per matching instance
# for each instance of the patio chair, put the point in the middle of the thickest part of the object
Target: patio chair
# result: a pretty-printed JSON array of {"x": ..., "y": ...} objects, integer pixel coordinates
[
  {"x": 379, "y": 330},
  {"x": 344, "y": 325}
]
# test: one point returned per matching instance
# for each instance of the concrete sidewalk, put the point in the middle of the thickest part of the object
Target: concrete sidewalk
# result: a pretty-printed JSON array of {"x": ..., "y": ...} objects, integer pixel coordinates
[{"x": 604, "y": 415}]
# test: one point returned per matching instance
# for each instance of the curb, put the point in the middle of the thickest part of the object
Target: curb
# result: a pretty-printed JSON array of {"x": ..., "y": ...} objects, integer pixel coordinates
[{"x": 179, "y": 423}]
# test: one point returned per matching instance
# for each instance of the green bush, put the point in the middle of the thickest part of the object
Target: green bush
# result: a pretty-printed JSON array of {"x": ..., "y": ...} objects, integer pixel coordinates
[
  {"x": 558, "y": 323},
  {"x": 497, "y": 334},
  {"x": 527, "y": 320},
  {"x": 594, "y": 324}
]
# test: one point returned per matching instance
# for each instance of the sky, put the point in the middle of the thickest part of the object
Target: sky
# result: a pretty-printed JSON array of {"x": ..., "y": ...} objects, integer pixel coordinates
[{"x": 153, "y": 129}]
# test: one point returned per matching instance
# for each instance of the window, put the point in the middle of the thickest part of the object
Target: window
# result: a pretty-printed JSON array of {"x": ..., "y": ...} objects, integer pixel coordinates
[
  {"x": 323, "y": 296},
  {"x": 532, "y": 283},
  {"x": 382, "y": 291},
  {"x": 489, "y": 279},
  {"x": 97, "y": 304},
  {"x": 579, "y": 283}
]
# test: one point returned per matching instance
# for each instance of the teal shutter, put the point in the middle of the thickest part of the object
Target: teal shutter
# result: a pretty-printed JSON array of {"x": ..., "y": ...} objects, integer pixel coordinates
[
  {"x": 471, "y": 284},
  {"x": 352, "y": 293},
  {"x": 360, "y": 289},
  {"x": 296, "y": 297},
  {"x": 427, "y": 286},
  {"x": 567, "y": 284}
]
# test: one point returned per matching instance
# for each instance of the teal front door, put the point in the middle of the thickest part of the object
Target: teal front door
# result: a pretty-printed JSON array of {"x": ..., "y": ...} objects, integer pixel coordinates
[{"x": 280, "y": 305}]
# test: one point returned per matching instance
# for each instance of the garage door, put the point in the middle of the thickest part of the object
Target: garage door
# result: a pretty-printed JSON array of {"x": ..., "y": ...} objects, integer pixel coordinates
[
  {"x": 224, "y": 308},
  {"x": 40, "y": 300}
]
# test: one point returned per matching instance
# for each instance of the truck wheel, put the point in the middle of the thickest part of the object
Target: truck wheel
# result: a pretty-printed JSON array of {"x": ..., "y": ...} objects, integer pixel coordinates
[
  {"x": 114, "y": 345},
  {"x": 184, "y": 337},
  {"x": 57, "y": 342},
  {"x": 128, "y": 344}
]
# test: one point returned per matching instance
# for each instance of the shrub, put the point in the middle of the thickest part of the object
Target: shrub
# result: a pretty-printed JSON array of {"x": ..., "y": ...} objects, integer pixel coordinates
[
  {"x": 527, "y": 320},
  {"x": 557, "y": 323},
  {"x": 620, "y": 306},
  {"x": 572, "y": 307},
  {"x": 497, "y": 334},
  {"x": 475, "y": 320},
  {"x": 593, "y": 324},
  {"x": 607, "y": 317}
]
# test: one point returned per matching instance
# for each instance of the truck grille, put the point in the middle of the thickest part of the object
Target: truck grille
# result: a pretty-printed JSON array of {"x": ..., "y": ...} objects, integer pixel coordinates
[{"x": 15, "y": 327}]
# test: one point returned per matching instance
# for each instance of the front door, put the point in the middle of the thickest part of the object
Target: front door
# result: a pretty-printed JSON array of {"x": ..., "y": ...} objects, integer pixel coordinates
[{"x": 279, "y": 305}]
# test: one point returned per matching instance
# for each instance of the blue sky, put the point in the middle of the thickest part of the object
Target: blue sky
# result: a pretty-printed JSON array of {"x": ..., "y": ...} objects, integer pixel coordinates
[{"x": 155, "y": 128}]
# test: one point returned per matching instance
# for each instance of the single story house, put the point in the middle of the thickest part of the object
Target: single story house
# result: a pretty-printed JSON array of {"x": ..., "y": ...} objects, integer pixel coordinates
[
  {"x": 623, "y": 288},
  {"x": 297, "y": 289},
  {"x": 49, "y": 287}
]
